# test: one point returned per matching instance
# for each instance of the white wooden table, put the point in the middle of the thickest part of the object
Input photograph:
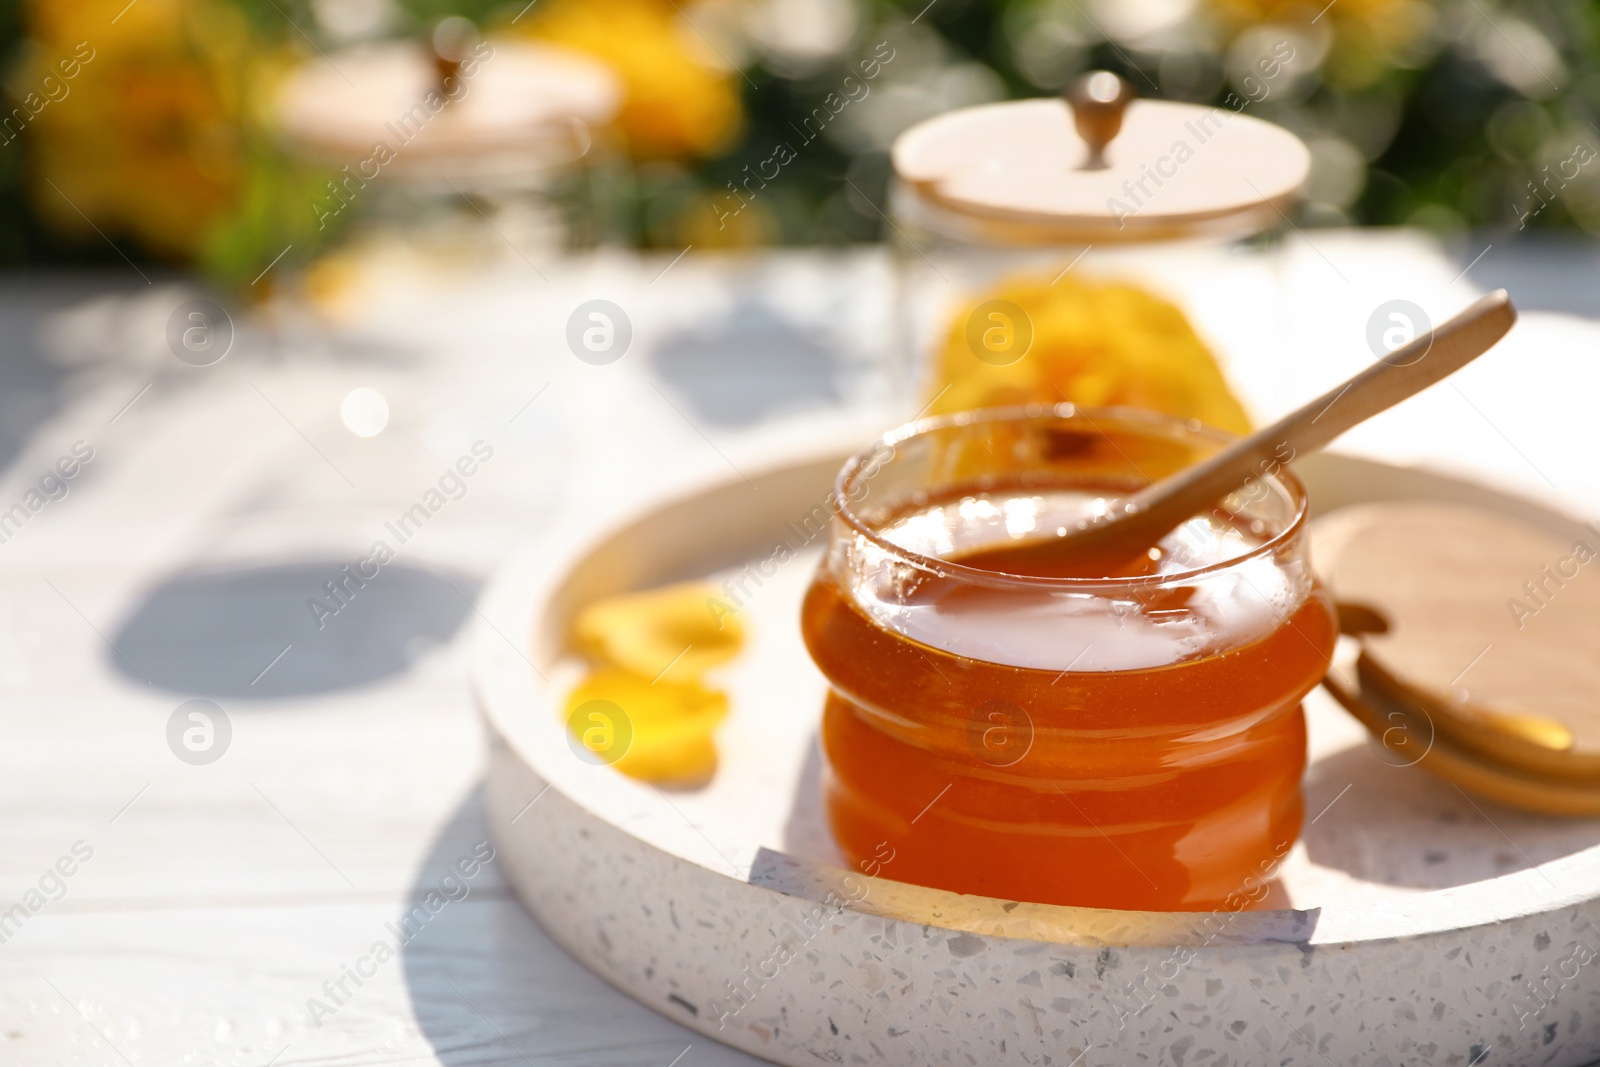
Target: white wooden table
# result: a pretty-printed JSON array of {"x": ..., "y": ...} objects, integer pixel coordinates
[{"x": 220, "y": 899}]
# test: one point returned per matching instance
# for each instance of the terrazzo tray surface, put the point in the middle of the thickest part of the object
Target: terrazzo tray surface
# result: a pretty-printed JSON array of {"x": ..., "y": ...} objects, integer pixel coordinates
[{"x": 1411, "y": 923}]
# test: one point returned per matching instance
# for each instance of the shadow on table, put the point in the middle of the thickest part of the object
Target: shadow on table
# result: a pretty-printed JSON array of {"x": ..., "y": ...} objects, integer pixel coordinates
[
  {"x": 1402, "y": 826},
  {"x": 490, "y": 988},
  {"x": 252, "y": 633},
  {"x": 750, "y": 366}
]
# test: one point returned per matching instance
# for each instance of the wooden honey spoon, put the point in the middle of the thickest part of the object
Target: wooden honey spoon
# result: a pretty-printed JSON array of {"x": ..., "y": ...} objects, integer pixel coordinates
[{"x": 1136, "y": 522}]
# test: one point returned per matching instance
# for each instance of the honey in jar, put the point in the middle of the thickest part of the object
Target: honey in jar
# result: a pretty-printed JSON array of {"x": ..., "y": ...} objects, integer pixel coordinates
[{"x": 1004, "y": 719}]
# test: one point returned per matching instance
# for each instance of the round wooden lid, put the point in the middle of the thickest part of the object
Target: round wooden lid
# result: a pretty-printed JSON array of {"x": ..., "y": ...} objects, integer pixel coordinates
[
  {"x": 1022, "y": 172},
  {"x": 1407, "y": 736},
  {"x": 1487, "y": 623},
  {"x": 504, "y": 101}
]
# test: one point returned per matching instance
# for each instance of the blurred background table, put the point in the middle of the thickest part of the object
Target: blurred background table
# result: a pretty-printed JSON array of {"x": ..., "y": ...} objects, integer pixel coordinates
[{"x": 220, "y": 499}]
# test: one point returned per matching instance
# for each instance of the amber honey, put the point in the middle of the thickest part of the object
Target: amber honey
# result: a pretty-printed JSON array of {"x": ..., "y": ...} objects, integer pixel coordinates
[{"x": 1001, "y": 723}]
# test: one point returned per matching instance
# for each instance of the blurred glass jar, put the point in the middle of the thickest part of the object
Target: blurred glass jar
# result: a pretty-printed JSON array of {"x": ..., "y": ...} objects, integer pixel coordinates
[
  {"x": 1054, "y": 250},
  {"x": 458, "y": 144}
]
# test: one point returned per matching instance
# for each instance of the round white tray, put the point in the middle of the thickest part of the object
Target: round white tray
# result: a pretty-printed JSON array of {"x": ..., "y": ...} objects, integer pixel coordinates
[{"x": 1412, "y": 923}]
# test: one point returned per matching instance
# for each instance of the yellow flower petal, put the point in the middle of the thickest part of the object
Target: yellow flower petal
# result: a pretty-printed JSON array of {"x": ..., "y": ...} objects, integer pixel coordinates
[
  {"x": 670, "y": 633},
  {"x": 659, "y": 732}
]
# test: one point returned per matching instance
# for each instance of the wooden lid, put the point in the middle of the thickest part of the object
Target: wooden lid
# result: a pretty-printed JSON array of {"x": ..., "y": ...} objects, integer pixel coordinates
[
  {"x": 1408, "y": 736},
  {"x": 501, "y": 101},
  {"x": 1022, "y": 172},
  {"x": 1488, "y": 624}
]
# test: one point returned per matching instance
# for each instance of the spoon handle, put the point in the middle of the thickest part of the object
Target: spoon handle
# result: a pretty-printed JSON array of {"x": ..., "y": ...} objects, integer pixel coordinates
[{"x": 1148, "y": 514}]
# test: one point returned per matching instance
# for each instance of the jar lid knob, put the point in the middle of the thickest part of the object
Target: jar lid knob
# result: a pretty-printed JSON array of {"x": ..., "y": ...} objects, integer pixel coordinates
[
  {"x": 1098, "y": 100},
  {"x": 450, "y": 44}
]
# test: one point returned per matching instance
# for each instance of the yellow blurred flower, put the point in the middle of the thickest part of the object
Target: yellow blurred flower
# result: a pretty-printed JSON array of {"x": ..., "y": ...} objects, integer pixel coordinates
[
  {"x": 1264, "y": 10},
  {"x": 675, "y": 104},
  {"x": 1094, "y": 343},
  {"x": 708, "y": 222},
  {"x": 1369, "y": 37},
  {"x": 146, "y": 142}
]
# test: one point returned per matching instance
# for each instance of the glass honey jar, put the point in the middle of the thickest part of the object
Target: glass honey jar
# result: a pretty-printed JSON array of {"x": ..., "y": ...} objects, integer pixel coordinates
[
  {"x": 1000, "y": 723},
  {"x": 457, "y": 147}
]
